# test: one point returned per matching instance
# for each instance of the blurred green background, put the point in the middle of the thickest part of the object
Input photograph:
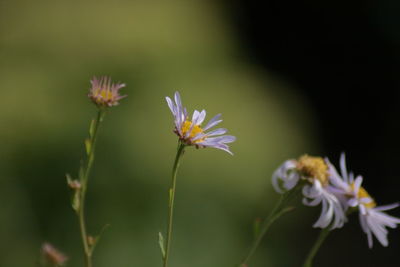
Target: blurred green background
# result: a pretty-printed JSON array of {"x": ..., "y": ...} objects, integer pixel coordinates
[{"x": 49, "y": 50}]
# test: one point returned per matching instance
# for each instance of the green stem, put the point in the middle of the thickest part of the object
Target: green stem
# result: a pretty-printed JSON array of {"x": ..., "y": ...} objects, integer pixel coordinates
[
  {"x": 321, "y": 238},
  {"x": 277, "y": 212},
  {"x": 84, "y": 181},
  {"x": 179, "y": 154}
]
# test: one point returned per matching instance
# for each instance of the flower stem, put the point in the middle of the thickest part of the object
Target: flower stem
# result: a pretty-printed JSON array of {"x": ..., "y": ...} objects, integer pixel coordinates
[
  {"x": 277, "y": 212},
  {"x": 90, "y": 148},
  {"x": 321, "y": 238},
  {"x": 179, "y": 154}
]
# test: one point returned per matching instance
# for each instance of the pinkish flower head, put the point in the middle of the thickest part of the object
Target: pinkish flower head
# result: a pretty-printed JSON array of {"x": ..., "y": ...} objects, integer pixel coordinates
[
  {"x": 104, "y": 93},
  {"x": 52, "y": 255}
]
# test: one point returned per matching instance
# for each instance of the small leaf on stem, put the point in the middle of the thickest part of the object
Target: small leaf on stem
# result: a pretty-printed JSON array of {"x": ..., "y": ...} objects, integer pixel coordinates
[
  {"x": 161, "y": 244},
  {"x": 88, "y": 146},
  {"x": 75, "y": 186},
  {"x": 91, "y": 128}
]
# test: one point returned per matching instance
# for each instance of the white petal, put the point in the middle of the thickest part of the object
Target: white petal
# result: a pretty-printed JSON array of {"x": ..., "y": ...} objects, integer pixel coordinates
[
  {"x": 357, "y": 184},
  {"x": 353, "y": 202},
  {"x": 343, "y": 166}
]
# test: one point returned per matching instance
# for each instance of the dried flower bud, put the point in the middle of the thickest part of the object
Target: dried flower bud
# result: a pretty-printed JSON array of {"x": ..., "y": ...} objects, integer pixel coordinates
[
  {"x": 52, "y": 256},
  {"x": 91, "y": 240},
  {"x": 74, "y": 184}
]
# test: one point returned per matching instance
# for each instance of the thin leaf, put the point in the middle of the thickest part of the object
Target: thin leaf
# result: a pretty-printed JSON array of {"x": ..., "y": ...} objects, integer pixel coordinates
[
  {"x": 256, "y": 227},
  {"x": 88, "y": 146},
  {"x": 75, "y": 198},
  {"x": 91, "y": 128},
  {"x": 96, "y": 239},
  {"x": 161, "y": 244}
]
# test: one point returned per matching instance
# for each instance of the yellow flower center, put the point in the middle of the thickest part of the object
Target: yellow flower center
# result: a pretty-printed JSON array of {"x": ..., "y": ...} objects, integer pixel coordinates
[
  {"x": 313, "y": 167},
  {"x": 105, "y": 94},
  {"x": 196, "y": 130},
  {"x": 362, "y": 193}
]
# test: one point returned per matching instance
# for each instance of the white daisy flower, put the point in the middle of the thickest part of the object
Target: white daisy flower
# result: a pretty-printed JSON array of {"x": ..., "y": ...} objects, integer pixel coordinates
[
  {"x": 352, "y": 194},
  {"x": 313, "y": 171},
  {"x": 190, "y": 131}
]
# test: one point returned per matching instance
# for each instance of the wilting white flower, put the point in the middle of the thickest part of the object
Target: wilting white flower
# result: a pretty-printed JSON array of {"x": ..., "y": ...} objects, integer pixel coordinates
[
  {"x": 313, "y": 171},
  {"x": 352, "y": 195},
  {"x": 286, "y": 176},
  {"x": 190, "y": 131}
]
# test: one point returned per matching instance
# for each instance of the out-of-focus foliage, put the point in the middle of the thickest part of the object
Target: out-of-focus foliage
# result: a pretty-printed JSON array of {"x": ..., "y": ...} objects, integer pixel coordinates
[{"x": 48, "y": 52}]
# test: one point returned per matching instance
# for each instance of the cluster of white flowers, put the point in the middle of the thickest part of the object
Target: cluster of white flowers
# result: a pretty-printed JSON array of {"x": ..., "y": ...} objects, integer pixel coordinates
[{"x": 340, "y": 194}]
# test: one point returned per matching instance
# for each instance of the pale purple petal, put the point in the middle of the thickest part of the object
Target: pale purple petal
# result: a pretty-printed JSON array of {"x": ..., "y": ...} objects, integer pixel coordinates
[
  {"x": 178, "y": 100},
  {"x": 365, "y": 200},
  {"x": 198, "y": 136},
  {"x": 222, "y": 147},
  {"x": 343, "y": 166},
  {"x": 195, "y": 116},
  {"x": 185, "y": 114},
  {"x": 331, "y": 212},
  {"x": 214, "y": 121},
  {"x": 201, "y": 117},
  {"x": 353, "y": 202},
  {"x": 171, "y": 105},
  {"x": 218, "y": 131},
  {"x": 179, "y": 112},
  {"x": 366, "y": 229},
  {"x": 357, "y": 184},
  {"x": 387, "y": 207}
]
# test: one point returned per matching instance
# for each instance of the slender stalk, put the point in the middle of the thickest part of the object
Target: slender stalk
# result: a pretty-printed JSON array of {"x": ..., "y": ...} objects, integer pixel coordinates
[
  {"x": 179, "y": 154},
  {"x": 321, "y": 238},
  {"x": 277, "y": 212},
  {"x": 84, "y": 182}
]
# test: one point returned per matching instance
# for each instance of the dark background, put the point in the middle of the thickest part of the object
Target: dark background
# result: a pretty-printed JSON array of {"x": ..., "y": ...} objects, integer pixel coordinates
[{"x": 344, "y": 57}]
